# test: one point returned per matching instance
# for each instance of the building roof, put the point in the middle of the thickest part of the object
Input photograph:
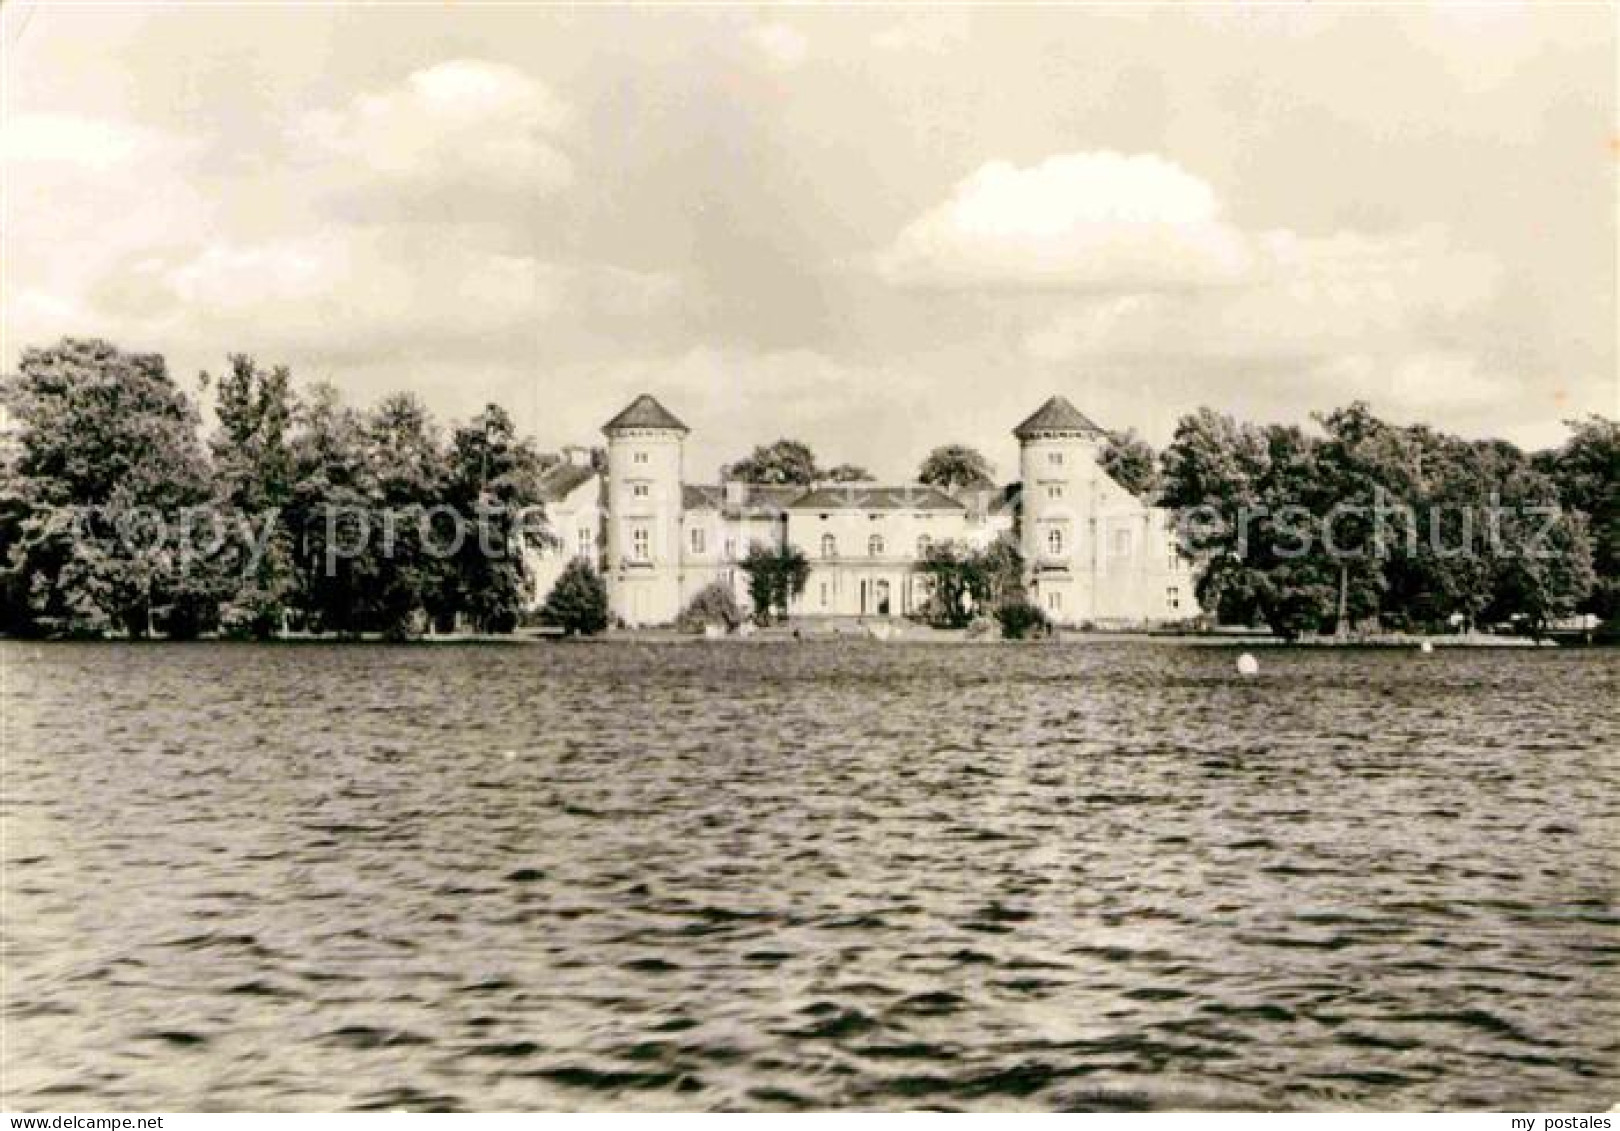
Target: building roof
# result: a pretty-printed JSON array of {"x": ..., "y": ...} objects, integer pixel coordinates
[
  {"x": 864, "y": 497},
  {"x": 645, "y": 412},
  {"x": 989, "y": 500},
  {"x": 759, "y": 499},
  {"x": 562, "y": 480},
  {"x": 1057, "y": 415}
]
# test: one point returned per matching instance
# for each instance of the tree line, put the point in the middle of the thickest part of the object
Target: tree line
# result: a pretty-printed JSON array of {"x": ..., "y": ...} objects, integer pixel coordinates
[
  {"x": 107, "y": 453},
  {"x": 1424, "y": 529}
]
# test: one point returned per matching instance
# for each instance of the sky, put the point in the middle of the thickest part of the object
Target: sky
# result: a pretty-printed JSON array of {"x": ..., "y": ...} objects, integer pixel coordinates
[{"x": 877, "y": 229}]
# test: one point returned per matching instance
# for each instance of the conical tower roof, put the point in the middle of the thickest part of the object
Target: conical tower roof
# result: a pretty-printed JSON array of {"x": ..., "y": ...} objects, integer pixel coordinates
[
  {"x": 1057, "y": 415},
  {"x": 645, "y": 412}
]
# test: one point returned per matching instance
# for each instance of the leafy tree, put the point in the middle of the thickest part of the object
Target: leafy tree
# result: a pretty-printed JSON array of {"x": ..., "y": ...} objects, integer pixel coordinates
[
  {"x": 329, "y": 516},
  {"x": 1019, "y": 619},
  {"x": 955, "y": 465},
  {"x": 776, "y": 575},
  {"x": 1587, "y": 472},
  {"x": 849, "y": 473},
  {"x": 1129, "y": 460},
  {"x": 254, "y": 475},
  {"x": 714, "y": 604},
  {"x": 784, "y": 462},
  {"x": 963, "y": 580},
  {"x": 578, "y": 602},
  {"x": 107, "y": 462},
  {"x": 408, "y": 474},
  {"x": 494, "y": 484}
]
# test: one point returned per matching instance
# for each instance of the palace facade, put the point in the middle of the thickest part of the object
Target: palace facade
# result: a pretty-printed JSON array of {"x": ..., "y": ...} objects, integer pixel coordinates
[{"x": 1093, "y": 552}]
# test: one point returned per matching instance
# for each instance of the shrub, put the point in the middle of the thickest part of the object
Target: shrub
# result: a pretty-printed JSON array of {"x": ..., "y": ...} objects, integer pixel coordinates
[
  {"x": 578, "y": 602},
  {"x": 1019, "y": 619},
  {"x": 713, "y": 604}
]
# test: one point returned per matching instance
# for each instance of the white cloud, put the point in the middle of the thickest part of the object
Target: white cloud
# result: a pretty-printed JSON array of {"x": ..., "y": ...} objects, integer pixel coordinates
[
  {"x": 1303, "y": 298},
  {"x": 1098, "y": 221},
  {"x": 465, "y": 123},
  {"x": 933, "y": 33},
  {"x": 782, "y": 47}
]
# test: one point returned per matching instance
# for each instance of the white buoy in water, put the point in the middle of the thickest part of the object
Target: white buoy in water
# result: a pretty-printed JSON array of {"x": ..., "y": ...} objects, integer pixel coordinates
[
  {"x": 1248, "y": 665},
  {"x": 1426, "y": 647}
]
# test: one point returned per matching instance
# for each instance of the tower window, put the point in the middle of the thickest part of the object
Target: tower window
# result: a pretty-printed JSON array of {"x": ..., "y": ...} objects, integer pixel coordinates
[
  {"x": 1054, "y": 490},
  {"x": 1054, "y": 542},
  {"x": 639, "y": 490},
  {"x": 1122, "y": 543},
  {"x": 1054, "y": 600},
  {"x": 1055, "y": 458},
  {"x": 640, "y": 543},
  {"x": 829, "y": 546},
  {"x": 586, "y": 541},
  {"x": 699, "y": 542},
  {"x": 824, "y": 594},
  {"x": 1172, "y": 597},
  {"x": 639, "y": 457},
  {"x": 874, "y": 546},
  {"x": 923, "y": 544}
]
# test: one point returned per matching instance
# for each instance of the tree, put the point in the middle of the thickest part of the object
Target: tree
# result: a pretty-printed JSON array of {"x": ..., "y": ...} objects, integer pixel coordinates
[
  {"x": 1129, "y": 461},
  {"x": 254, "y": 474},
  {"x": 776, "y": 576},
  {"x": 577, "y": 603},
  {"x": 849, "y": 473},
  {"x": 784, "y": 462},
  {"x": 955, "y": 465},
  {"x": 1020, "y": 618},
  {"x": 963, "y": 580},
  {"x": 106, "y": 468},
  {"x": 714, "y": 604},
  {"x": 494, "y": 485},
  {"x": 408, "y": 477},
  {"x": 1587, "y": 472},
  {"x": 329, "y": 515}
]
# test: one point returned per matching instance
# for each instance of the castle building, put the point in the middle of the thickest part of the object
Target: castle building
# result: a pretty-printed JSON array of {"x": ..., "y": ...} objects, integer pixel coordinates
[{"x": 1094, "y": 553}]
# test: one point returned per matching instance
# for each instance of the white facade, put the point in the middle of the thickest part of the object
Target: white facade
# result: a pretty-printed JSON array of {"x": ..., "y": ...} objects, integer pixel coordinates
[{"x": 1094, "y": 553}]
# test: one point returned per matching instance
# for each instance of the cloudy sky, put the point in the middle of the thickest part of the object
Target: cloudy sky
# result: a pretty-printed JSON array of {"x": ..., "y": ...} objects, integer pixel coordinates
[{"x": 876, "y": 229}]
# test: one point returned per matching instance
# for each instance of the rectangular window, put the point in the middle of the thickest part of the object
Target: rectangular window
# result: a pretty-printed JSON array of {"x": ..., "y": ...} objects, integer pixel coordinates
[
  {"x": 1054, "y": 457},
  {"x": 1054, "y": 491},
  {"x": 640, "y": 543},
  {"x": 1122, "y": 543},
  {"x": 639, "y": 490},
  {"x": 824, "y": 594},
  {"x": 699, "y": 543},
  {"x": 731, "y": 549},
  {"x": 1172, "y": 597},
  {"x": 639, "y": 457},
  {"x": 585, "y": 541},
  {"x": 1054, "y": 600}
]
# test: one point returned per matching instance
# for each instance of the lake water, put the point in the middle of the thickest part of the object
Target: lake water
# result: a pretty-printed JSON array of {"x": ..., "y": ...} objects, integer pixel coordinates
[{"x": 1098, "y": 876}]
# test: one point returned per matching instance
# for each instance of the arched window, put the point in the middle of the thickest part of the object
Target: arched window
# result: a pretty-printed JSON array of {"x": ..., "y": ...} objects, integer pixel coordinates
[
  {"x": 874, "y": 546},
  {"x": 1054, "y": 542},
  {"x": 923, "y": 542},
  {"x": 829, "y": 546}
]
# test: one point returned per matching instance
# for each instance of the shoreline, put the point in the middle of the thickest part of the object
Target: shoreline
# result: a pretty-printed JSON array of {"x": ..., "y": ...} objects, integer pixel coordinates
[{"x": 908, "y": 636}]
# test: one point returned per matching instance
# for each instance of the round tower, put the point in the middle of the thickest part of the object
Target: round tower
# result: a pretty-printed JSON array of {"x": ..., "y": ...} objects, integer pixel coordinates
[
  {"x": 645, "y": 446},
  {"x": 1058, "y": 451}
]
